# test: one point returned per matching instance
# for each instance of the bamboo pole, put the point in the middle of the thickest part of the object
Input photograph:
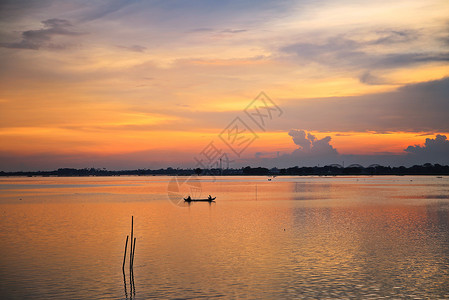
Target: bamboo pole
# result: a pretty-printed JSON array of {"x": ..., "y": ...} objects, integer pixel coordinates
[
  {"x": 131, "y": 245},
  {"x": 132, "y": 267},
  {"x": 134, "y": 249},
  {"x": 124, "y": 255}
]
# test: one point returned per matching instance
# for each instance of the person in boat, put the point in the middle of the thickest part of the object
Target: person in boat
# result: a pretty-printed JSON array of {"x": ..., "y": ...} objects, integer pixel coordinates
[
  {"x": 210, "y": 197},
  {"x": 189, "y": 198}
]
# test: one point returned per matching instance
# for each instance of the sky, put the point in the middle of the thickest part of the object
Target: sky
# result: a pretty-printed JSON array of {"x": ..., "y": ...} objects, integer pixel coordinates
[{"x": 154, "y": 84}]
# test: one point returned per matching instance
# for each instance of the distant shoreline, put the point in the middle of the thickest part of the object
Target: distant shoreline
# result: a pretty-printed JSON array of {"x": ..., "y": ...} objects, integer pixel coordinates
[{"x": 331, "y": 170}]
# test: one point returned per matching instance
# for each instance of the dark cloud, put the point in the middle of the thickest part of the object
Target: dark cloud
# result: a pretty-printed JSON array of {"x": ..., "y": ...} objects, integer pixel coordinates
[
  {"x": 36, "y": 39},
  {"x": 436, "y": 149},
  {"x": 419, "y": 107}
]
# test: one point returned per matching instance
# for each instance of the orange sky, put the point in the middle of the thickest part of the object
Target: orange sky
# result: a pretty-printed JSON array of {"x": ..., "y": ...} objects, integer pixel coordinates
[{"x": 89, "y": 79}]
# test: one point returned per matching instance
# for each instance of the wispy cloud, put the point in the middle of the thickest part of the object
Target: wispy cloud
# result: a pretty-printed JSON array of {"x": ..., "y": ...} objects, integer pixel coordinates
[
  {"x": 342, "y": 50},
  {"x": 99, "y": 9},
  {"x": 134, "y": 48},
  {"x": 233, "y": 30}
]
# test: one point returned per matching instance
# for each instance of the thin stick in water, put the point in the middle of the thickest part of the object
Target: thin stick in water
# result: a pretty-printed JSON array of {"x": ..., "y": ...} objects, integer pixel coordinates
[
  {"x": 132, "y": 267},
  {"x": 124, "y": 255},
  {"x": 134, "y": 249},
  {"x": 131, "y": 248}
]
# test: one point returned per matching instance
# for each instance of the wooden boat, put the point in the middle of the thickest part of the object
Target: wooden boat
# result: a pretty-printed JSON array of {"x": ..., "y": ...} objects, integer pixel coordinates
[{"x": 188, "y": 199}]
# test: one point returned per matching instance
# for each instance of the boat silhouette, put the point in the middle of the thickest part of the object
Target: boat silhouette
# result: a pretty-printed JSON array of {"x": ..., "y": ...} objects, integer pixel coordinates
[{"x": 209, "y": 199}]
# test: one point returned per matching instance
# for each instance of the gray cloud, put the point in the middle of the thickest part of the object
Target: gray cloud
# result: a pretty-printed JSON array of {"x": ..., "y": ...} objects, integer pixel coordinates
[
  {"x": 311, "y": 149},
  {"x": 11, "y": 10},
  {"x": 419, "y": 107},
  {"x": 310, "y": 144},
  {"x": 403, "y": 59},
  {"x": 36, "y": 39},
  {"x": 341, "y": 51},
  {"x": 368, "y": 78},
  {"x": 394, "y": 36},
  {"x": 433, "y": 149}
]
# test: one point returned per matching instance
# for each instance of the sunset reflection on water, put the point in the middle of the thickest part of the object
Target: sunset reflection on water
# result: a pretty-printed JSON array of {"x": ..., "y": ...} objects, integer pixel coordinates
[{"x": 292, "y": 237}]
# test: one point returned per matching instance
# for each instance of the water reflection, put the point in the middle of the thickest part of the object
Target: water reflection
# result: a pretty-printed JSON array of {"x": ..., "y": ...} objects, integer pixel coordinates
[
  {"x": 124, "y": 284},
  {"x": 303, "y": 237},
  {"x": 132, "y": 285}
]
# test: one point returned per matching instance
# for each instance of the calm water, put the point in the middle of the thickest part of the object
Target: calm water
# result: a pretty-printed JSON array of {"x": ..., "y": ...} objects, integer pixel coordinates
[{"x": 292, "y": 237}]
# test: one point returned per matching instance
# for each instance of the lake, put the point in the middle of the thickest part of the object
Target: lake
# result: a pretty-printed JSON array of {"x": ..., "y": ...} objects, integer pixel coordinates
[{"x": 288, "y": 237}]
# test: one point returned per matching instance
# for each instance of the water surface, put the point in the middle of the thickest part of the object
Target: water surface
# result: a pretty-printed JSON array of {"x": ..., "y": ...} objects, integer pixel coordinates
[{"x": 291, "y": 237}]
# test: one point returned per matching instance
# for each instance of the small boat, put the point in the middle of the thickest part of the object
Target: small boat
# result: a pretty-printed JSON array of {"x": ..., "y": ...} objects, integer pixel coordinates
[{"x": 210, "y": 199}]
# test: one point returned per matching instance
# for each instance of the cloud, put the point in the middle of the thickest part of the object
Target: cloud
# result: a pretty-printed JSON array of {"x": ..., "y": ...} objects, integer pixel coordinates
[
  {"x": 418, "y": 107},
  {"x": 368, "y": 78},
  {"x": 36, "y": 39},
  {"x": 99, "y": 9},
  {"x": 404, "y": 59},
  {"x": 343, "y": 50},
  {"x": 300, "y": 139},
  {"x": 434, "y": 150},
  {"x": 387, "y": 37},
  {"x": 201, "y": 29},
  {"x": 11, "y": 10},
  {"x": 310, "y": 145},
  {"x": 233, "y": 30}
]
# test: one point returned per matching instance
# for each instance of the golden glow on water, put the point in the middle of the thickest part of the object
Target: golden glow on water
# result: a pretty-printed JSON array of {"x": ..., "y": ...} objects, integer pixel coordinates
[{"x": 291, "y": 237}]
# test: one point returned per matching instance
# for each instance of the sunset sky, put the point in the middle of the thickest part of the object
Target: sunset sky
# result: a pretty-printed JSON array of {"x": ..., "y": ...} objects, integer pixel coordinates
[{"x": 151, "y": 84}]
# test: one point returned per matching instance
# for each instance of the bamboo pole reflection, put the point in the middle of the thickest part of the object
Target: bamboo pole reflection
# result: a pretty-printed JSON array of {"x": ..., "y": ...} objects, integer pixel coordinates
[
  {"x": 132, "y": 286},
  {"x": 124, "y": 284}
]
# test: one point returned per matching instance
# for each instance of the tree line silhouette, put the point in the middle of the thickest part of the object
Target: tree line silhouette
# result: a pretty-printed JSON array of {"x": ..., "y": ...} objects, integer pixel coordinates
[{"x": 330, "y": 170}]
